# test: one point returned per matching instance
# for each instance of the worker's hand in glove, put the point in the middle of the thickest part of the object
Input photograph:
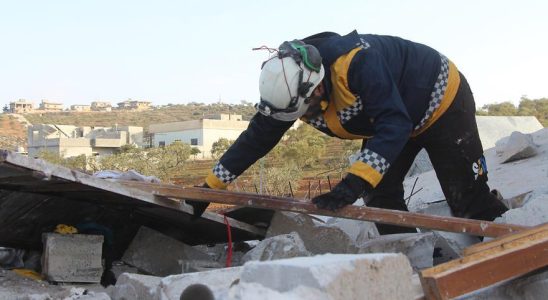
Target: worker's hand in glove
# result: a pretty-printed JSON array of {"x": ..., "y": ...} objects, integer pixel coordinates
[
  {"x": 344, "y": 193},
  {"x": 198, "y": 206}
]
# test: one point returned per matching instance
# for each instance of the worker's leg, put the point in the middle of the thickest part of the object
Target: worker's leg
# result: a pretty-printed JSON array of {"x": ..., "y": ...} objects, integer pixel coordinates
[
  {"x": 455, "y": 149},
  {"x": 389, "y": 192}
]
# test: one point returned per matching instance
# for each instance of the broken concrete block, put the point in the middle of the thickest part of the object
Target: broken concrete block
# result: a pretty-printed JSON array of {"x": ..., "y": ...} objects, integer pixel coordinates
[
  {"x": 418, "y": 247},
  {"x": 218, "y": 281},
  {"x": 72, "y": 257},
  {"x": 158, "y": 254},
  {"x": 334, "y": 276},
  {"x": 135, "y": 286},
  {"x": 518, "y": 146},
  {"x": 357, "y": 231},
  {"x": 278, "y": 247},
  {"x": 533, "y": 212},
  {"x": 318, "y": 239}
]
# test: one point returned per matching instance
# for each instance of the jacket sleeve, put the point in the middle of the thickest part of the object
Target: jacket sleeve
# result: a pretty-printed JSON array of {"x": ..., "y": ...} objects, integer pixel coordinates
[
  {"x": 369, "y": 77},
  {"x": 262, "y": 134}
]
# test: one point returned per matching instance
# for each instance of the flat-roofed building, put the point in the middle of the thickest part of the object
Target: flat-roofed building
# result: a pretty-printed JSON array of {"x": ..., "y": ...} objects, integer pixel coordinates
[
  {"x": 21, "y": 106},
  {"x": 101, "y": 106},
  {"x": 80, "y": 107},
  {"x": 200, "y": 134},
  {"x": 69, "y": 140},
  {"x": 51, "y": 106},
  {"x": 134, "y": 105}
]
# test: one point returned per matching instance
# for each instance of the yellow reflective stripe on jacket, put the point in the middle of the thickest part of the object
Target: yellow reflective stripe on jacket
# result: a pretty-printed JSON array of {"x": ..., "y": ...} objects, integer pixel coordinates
[
  {"x": 341, "y": 96},
  {"x": 214, "y": 182},
  {"x": 366, "y": 172},
  {"x": 450, "y": 93}
]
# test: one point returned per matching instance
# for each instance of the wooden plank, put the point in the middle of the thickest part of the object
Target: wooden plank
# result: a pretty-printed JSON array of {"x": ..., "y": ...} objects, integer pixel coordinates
[
  {"x": 394, "y": 217},
  {"x": 504, "y": 239},
  {"x": 482, "y": 269}
]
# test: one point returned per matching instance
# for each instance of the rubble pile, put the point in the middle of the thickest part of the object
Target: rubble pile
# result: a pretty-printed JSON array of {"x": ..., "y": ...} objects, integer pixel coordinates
[{"x": 299, "y": 256}]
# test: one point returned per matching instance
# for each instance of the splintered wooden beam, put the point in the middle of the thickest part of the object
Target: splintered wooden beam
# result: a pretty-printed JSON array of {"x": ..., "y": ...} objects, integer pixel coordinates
[
  {"x": 385, "y": 216},
  {"x": 506, "y": 260}
]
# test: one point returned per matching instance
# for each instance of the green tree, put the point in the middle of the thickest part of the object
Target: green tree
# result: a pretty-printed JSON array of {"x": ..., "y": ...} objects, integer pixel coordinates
[
  {"x": 195, "y": 151},
  {"x": 220, "y": 146}
]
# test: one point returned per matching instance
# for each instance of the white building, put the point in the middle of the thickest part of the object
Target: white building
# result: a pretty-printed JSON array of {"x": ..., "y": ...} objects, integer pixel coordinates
[
  {"x": 200, "y": 134},
  {"x": 69, "y": 140}
]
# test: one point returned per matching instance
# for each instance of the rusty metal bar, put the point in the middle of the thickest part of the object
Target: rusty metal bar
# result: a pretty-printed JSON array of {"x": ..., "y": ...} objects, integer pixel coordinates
[{"x": 385, "y": 216}]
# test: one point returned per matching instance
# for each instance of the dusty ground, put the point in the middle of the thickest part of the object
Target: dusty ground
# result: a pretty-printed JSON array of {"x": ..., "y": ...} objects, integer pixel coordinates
[{"x": 13, "y": 133}]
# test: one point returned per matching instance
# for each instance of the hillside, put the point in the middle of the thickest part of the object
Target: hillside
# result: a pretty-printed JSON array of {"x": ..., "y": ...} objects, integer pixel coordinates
[
  {"x": 164, "y": 114},
  {"x": 13, "y": 133}
]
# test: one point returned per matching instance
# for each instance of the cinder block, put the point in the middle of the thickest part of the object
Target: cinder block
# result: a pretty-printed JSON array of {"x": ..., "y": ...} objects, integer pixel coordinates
[
  {"x": 72, "y": 257},
  {"x": 335, "y": 276},
  {"x": 160, "y": 255}
]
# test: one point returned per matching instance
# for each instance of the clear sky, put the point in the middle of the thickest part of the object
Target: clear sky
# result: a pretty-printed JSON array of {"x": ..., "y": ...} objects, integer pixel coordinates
[{"x": 77, "y": 51}]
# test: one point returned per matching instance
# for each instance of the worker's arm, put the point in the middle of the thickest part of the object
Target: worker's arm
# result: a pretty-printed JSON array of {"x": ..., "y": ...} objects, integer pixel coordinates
[
  {"x": 262, "y": 134},
  {"x": 370, "y": 79}
]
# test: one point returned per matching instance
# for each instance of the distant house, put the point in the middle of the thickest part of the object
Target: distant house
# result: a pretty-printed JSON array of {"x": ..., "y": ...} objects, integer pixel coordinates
[
  {"x": 200, "y": 134},
  {"x": 21, "y": 106},
  {"x": 101, "y": 106},
  {"x": 80, "y": 107},
  {"x": 50, "y": 106},
  {"x": 134, "y": 105},
  {"x": 69, "y": 140}
]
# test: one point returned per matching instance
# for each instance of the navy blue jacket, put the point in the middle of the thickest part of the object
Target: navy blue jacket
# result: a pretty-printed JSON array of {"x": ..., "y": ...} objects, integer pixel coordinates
[{"x": 380, "y": 88}]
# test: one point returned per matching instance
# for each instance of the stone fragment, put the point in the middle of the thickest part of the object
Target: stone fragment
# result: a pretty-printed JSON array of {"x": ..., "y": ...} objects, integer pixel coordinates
[
  {"x": 72, "y": 257},
  {"x": 357, "y": 231},
  {"x": 218, "y": 281},
  {"x": 418, "y": 247},
  {"x": 278, "y": 247},
  {"x": 332, "y": 276},
  {"x": 317, "y": 238},
  {"x": 518, "y": 146},
  {"x": 135, "y": 286},
  {"x": 533, "y": 212},
  {"x": 158, "y": 254}
]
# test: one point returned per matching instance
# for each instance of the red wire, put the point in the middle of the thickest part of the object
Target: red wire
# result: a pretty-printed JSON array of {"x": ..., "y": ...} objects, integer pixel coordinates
[{"x": 229, "y": 250}]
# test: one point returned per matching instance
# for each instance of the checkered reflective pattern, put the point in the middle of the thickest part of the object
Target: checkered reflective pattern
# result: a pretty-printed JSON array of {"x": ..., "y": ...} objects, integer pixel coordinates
[
  {"x": 349, "y": 112},
  {"x": 438, "y": 92},
  {"x": 376, "y": 161},
  {"x": 223, "y": 174},
  {"x": 319, "y": 122}
]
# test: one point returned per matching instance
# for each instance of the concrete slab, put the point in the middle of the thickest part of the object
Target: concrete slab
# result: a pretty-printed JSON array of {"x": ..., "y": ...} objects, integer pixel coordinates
[
  {"x": 158, "y": 254},
  {"x": 335, "y": 276},
  {"x": 72, "y": 257}
]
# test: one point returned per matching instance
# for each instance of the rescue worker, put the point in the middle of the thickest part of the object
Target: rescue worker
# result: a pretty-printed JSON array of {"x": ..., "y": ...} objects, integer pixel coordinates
[{"x": 396, "y": 95}]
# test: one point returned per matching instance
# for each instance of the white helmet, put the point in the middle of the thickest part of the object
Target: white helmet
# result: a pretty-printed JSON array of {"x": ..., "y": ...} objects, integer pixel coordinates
[{"x": 288, "y": 79}]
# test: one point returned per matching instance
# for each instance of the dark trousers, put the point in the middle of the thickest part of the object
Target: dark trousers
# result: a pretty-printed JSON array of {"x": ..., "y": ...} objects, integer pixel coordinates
[{"x": 456, "y": 153}]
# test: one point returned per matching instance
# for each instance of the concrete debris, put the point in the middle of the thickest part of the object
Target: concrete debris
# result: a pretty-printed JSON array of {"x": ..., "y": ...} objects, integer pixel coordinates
[
  {"x": 135, "y": 286},
  {"x": 218, "y": 252},
  {"x": 317, "y": 238},
  {"x": 217, "y": 281},
  {"x": 518, "y": 146},
  {"x": 158, "y": 254},
  {"x": 357, "y": 231},
  {"x": 278, "y": 247},
  {"x": 330, "y": 276},
  {"x": 418, "y": 247},
  {"x": 72, "y": 257},
  {"x": 533, "y": 212}
]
